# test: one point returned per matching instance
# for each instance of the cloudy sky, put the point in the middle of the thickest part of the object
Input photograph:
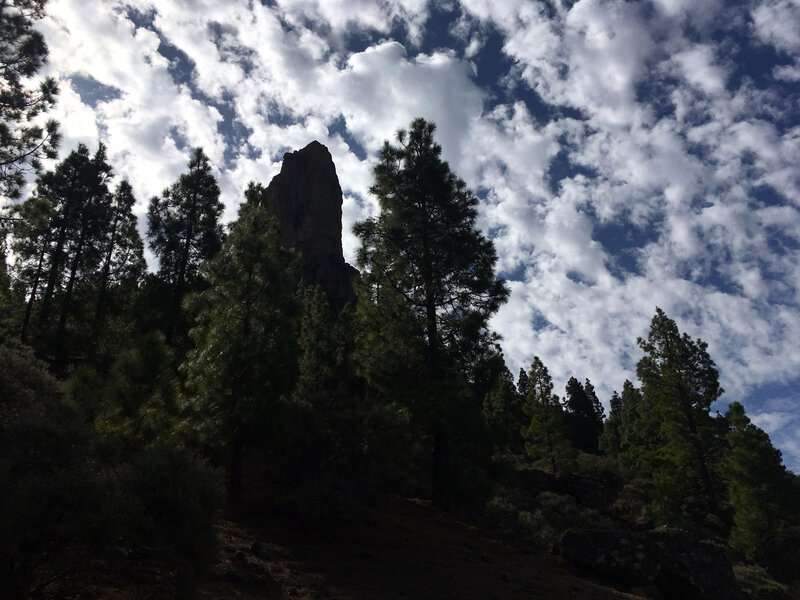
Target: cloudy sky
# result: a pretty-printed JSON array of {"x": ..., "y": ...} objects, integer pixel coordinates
[{"x": 628, "y": 155}]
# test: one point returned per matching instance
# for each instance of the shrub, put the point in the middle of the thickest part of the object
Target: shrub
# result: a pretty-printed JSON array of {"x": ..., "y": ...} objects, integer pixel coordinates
[{"x": 73, "y": 504}]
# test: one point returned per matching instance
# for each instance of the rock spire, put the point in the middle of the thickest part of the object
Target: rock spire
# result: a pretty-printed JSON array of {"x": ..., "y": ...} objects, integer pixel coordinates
[{"x": 307, "y": 201}]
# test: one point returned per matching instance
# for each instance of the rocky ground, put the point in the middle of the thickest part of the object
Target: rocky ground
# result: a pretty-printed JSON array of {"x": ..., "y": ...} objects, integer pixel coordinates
[{"x": 404, "y": 550}]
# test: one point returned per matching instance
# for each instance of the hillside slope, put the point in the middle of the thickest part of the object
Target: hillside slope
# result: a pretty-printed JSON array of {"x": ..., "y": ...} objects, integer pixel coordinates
[{"x": 404, "y": 550}]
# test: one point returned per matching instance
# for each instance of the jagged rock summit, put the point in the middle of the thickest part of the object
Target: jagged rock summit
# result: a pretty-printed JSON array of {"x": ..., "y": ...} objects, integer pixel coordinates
[{"x": 307, "y": 201}]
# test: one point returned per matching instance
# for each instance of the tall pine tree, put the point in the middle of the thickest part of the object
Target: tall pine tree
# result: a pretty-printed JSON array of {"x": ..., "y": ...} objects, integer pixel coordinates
[
  {"x": 24, "y": 140},
  {"x": 757, "y": 483},
  {"x": 522, "y": 383},
  {"x": 679, "y": 384},
  {"x": 123, "y": 252},
  {"x": 184, "y": 232},
  {"x": 546, "y": 435},
  {"x": 502, "y": 409},
  {"x": 59, "y": 238},
  {"x": 583, "y": 415},
  {"x": 425, "y": 247},
  {"x": 245, "y": 355},
  {"x": 610, "y": 442}
]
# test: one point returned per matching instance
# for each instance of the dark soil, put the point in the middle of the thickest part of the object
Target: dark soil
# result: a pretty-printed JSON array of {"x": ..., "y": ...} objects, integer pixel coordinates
[{"x": 403, "y": 550}]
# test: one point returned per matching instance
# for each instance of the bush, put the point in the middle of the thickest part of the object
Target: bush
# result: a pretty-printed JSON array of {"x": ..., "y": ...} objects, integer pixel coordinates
[
  {"x": 633, "y": 506},
  {"x": 176, "y": 497},
  {"x": 73, "y": 504},
  {"x": 56, "y": 510},
  {"x": 539, "y": 521}
]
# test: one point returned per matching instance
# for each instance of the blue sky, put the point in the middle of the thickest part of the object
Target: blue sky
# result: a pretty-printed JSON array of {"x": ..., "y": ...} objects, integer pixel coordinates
[{"x": 627, "y": 155}]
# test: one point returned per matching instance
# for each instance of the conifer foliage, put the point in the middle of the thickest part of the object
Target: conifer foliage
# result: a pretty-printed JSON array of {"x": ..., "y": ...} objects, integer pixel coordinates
[
  {"x": 23, "y": 140},
  {"x": 424, "y": 246},
  {"x": 184, "y": 231},
  {"x": 545, "y": 435},
  {"x": 245, "y": 354},
  {"x": 65, "y": 244},
  {"x": 583, "y": 415},
  {"x": 679, "y": 383},
  {"x": 758, "y": 485}
]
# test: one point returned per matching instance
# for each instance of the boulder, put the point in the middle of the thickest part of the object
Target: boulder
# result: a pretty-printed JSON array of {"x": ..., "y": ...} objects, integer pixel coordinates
[
  {"x": 691, "y": 569},
  {"x": 307, "y": 201},
  {"x": 779, "y": 554},
  {"x": 667, "y": 559}
]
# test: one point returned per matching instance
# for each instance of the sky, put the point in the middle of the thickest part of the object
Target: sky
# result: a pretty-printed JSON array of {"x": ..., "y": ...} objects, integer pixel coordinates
[{"x": 627, "y": 155}]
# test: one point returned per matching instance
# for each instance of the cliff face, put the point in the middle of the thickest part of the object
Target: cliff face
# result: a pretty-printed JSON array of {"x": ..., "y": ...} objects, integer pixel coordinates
[{"x": 307, "y": 200}]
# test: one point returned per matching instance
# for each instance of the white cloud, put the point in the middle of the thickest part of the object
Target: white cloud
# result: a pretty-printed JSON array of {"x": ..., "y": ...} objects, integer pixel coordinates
[
  {"x": 787, "y": 73},
  {"x": 697, "y": 64},
  {"x": 777, "y": 22}
]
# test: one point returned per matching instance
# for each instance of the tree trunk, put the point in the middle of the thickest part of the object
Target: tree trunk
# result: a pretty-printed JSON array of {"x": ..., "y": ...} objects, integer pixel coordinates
[
  {"x": 29, "y": 308},
  {"x": 441, "y": 466},
  {"x": 441, "y": 451},
  {"x": 180, "y": 282},
  {"x": 237, "y": 460},
  {"x": 55, "y": 265},
  {"x": 106, "y": 272},
  {"x": 60, "y": 349}
]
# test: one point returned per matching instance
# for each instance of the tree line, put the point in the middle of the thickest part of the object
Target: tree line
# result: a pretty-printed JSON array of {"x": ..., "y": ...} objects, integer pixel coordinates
[{"x": 128, "y": 397}]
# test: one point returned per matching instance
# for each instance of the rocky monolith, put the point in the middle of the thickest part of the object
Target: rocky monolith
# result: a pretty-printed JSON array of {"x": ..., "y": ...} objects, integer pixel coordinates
[{"x": 307, "y": 200}]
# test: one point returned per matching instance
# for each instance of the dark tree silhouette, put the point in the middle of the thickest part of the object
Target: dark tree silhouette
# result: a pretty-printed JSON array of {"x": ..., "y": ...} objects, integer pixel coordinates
[
  {"x": 426, "y": 248},
  {"x": 545, "y": 434},
  {"x": 245, "y": 354},
  {"x": 58, "y": 238},
  {"x": 23, "y": 141},
  {"x": 184, "y": 231}
]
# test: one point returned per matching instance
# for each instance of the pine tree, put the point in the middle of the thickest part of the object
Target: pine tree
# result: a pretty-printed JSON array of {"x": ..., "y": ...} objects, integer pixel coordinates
[
  {"x": 245, "y": 355},
  {"x": 546, "y": 434},
  {"x": 23, "y": 140},
  {"x": 616, "y": 405},
  {"x": 31, "y": 235},
  {"x": 389, "y": 348},
  {"x": 522, "y": 383},
  {"x": 184, "y": 231},
  {"x": 425, "y": 247},
  {"x": 58, "y": 238},
  {"x": 638, "y": 430},
  {"x": 597, "y": 407},
  {"x": 679, "y": 384},
  {"x": 502, "y": 409},
  {"x": 334, "y": 438},
  {"x": 583, "y": 415},
  {"x": 123, "y": 261},
  {"x": 757, "y": 483},
  {"x": 610, "y": 441}
]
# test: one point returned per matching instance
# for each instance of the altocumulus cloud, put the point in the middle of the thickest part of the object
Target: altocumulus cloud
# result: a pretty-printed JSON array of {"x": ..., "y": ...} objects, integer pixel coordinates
[{"x": 627, "y": 155}]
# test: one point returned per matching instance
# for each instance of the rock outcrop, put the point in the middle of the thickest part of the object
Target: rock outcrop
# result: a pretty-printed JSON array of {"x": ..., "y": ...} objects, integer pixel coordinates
[
  {"x": 307, "y": 200},
  {"x": 667, "y": 559},
  {"x": 779, "y": 554}
]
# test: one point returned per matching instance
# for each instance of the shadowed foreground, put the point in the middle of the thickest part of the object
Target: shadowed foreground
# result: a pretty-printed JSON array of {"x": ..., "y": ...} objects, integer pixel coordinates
[{"x": 405, "y": 550}]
